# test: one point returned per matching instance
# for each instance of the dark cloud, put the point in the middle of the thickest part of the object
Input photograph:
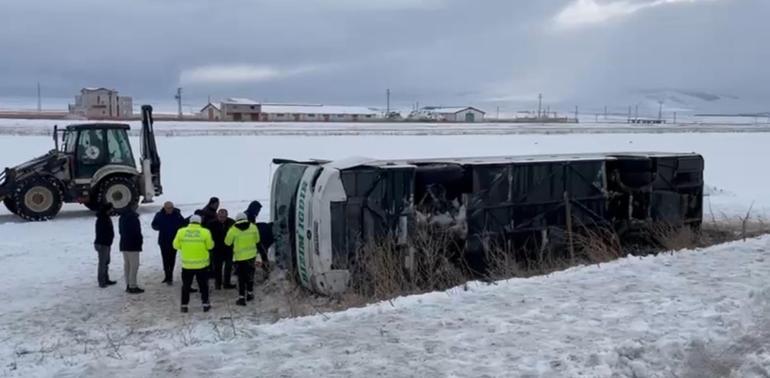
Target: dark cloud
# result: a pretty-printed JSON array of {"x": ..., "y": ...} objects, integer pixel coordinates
[{"x": 491, "y": 52}]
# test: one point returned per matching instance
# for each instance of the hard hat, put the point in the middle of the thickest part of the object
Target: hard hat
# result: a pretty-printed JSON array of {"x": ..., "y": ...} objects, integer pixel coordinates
[
  {"x": 240, "y": 217},
  {"x": 195, "y": 219}
]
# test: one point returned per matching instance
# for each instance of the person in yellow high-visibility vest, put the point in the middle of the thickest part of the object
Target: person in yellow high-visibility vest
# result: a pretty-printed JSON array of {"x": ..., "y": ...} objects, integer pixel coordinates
[
  {"x": 243, "y": 236},
  {"x": 194, "y": 243}
]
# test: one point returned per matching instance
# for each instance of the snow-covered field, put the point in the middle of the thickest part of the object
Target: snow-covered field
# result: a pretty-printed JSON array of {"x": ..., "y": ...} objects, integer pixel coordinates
[
  {"x": 172, "y": 128},
  {"x": 656, "y": 316}
]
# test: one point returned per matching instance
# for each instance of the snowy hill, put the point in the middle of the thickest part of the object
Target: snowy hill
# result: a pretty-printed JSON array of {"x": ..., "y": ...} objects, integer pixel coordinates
[
  {"x": 698, "y": 314},
  {"x": 685, "y": 102},
  {"x": 694, "y": 102}
]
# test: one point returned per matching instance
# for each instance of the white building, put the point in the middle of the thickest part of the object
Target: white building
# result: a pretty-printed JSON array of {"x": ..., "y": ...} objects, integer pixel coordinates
[
  {"x": 467, "y": 114},
  {"x": 102, "y": 103},
  {"x": 212, "y": 111},
  {"x": 240, "y": 109},
  {"x": 317, "y": 113}
]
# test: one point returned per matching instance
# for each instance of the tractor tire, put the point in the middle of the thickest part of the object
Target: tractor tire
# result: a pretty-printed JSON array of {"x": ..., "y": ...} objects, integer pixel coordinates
[
  {"x": 121, "y": 191},
  {"x": 38, "y": 199},
  {"x": 10, "y": 204}
]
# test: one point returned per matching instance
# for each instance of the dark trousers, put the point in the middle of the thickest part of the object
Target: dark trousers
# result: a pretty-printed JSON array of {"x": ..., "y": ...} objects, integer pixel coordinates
[
  {"x": 263, "y": 256},
  {"x": 102, "y": 274},
  {"x": 222, "y": 264},
  {"x": 245, "y": 270},
  {"x": 200, "y": 275},
  {"x": 169, "y": 258}
]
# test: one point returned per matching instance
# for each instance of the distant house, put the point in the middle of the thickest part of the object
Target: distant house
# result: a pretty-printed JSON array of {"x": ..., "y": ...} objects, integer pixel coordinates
[
  {"x": 212, "y": 112},
  {"x": 317, "y": 113},
  {"x": 243, "y": 109},
  {"x": 102, "y": 103},
  {"x": 239, "y": 109},
  {"x": 449, "y": 114}
]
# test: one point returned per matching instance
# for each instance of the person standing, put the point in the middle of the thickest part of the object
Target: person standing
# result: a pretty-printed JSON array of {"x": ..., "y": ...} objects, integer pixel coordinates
[
  {"x": 105, "y": 234},
  {"x": 244, "y": 237},
  {"x": 194, "y": 243},
  {"x": 222, "y": 255},
  {"x": 265, "y": 233},
  {"x": 167, "y": 222},
  {"x": 209, "y": 212},
  {"x": 252, "y": 212},
  {"x": 131, "y": 241}
]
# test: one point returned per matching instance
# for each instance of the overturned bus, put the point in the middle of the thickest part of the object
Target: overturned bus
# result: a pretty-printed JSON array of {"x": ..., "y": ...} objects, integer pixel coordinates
[{"x": 325, "y": 211}]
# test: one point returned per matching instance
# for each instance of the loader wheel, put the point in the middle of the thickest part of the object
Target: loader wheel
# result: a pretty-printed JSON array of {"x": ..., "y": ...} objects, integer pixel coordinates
[
  {"x": 38, "y": 199},
  {"x": 10, "y": 204},
  {"x": 120, "y": 191}
]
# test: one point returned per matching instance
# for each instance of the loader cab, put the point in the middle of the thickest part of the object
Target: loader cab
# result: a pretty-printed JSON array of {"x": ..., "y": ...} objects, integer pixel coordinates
[{"x": 94, "y": 146}]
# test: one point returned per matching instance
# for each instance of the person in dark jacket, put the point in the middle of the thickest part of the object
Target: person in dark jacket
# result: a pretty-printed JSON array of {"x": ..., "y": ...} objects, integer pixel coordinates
[
  {"x": 221, "y": 255},
  {"x": 265, "y": 232},
  {"x": 167, "y": 222},
  {"x": 209, "y": 212},
  {"x": 131, "y": 241},
  {"x": 252, "y": 212},
  {"x": 265, "y": 242},
  {"x": 105, "y": 234}
]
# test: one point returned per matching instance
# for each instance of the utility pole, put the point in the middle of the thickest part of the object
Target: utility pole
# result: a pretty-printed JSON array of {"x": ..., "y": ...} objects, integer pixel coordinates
[
  {"x": 178, "y": 99},
  {"x": 39, "y": 99},
  {"x": 629, "y": 114},
  {"x": 674, "y": 117},
  {"x": 576, "y": 113},
  {"x": 636, "y": 112},
  {"x": 660, "y": 110},
  {"x": 605, "y": 113},
  {"x": 498, "y": 113},
  {"x": 387, "y": 94},
  {"x": 539, "y": 105}
]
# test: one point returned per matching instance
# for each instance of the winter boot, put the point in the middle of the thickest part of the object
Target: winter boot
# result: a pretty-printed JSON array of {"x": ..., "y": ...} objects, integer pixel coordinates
[
  {"x": 206, "y": 307},
  {"x": 250, "y": 296},
  {"x": 241, "y": 301},
  {"x": 110, "y": 283},
  {"x": 185, "y": 309}
]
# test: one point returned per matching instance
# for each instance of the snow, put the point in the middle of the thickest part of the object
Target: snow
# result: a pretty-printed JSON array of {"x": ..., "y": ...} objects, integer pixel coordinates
[
  {"x": 190, "y": 128},
  {"x": 239, "y": 101},
  {"x": 634, "y": 317},
  {"x": 655, "y": 316}
]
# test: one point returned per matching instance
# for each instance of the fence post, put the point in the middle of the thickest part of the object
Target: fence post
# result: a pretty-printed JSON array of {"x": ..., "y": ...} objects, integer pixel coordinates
[{"x": 568, "y": 210}]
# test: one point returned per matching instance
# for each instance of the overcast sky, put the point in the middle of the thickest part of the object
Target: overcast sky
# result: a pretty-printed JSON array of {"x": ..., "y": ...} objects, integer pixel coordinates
[{"x": 482, "y": 52}]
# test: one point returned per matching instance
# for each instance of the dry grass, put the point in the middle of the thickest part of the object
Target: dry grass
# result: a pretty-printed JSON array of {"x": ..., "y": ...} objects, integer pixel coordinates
[
  {"x": 386, "y": 269},
  {"x": 433, "y": 261}
]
